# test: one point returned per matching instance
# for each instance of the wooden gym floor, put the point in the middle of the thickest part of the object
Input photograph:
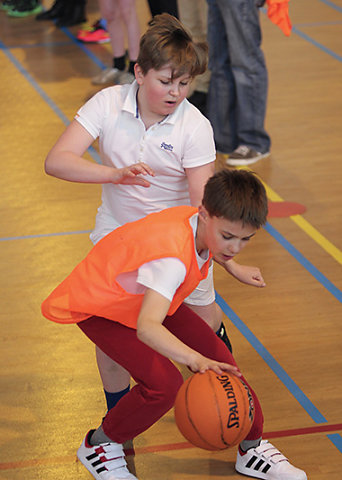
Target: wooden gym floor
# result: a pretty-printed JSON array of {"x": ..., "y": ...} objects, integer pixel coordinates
[{"x": 286, "y": 337}]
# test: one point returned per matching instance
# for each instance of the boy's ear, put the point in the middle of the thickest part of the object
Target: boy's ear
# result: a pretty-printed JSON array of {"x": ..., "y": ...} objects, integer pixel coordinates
[
  {"x": 139, "y": 76},
  {"x": 202, "y": 212}
]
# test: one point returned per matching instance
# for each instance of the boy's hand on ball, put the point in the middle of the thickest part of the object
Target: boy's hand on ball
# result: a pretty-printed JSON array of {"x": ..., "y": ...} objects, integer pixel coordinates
[{"x": 201, "y": 364}]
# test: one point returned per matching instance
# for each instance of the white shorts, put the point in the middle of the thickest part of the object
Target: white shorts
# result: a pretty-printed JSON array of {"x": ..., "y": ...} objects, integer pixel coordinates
[{"x": 204, "y": 294}]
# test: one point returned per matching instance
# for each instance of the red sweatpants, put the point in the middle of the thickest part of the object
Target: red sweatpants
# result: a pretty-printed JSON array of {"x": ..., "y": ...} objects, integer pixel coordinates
[{"x": 157, "y": 379}]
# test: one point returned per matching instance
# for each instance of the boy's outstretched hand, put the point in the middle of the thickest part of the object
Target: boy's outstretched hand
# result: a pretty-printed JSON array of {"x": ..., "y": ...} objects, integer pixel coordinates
[
  {"x": 132, "y": 175},
  {"x": 245, "y": 274},
  {"x": 201, "y": 364}
]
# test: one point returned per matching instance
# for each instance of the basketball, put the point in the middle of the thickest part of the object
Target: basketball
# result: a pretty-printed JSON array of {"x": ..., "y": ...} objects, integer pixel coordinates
[{"x": 214, "y": 412}]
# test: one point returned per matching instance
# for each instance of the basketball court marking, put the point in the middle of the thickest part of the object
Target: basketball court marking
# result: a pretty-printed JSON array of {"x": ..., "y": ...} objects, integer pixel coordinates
[
  {"x": 307, "y": 228},
  {"x": 42, "y": 235},
  {"x": 284, "y": 209},
  {"x": 322, "y": 279},
  {"x": 317, "y": 44},
  {"x": 168, "y": 447},
  {"x": 332, "y": 5},
  {"x": 309, "y": 39},
  {"x": 293, "y": 388},
  {"x": 42, "y": 93}
]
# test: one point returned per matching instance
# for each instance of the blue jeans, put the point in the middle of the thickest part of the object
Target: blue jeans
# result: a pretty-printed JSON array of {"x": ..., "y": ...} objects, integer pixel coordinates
[{"x": 237, "y": 94}]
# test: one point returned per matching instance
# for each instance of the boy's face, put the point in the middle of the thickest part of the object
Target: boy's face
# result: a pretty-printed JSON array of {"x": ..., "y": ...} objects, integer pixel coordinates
[
  {"x": 159, "y": 92},
  {"x": 225, "y": 238}
]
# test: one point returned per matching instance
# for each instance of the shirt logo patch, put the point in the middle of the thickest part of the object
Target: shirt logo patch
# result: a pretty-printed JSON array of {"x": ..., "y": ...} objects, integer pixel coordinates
[{"x": 167, "y": 147}]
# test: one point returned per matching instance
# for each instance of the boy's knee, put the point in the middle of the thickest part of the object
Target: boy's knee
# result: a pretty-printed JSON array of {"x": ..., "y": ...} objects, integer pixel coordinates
[{"x": 166, "y": 391}]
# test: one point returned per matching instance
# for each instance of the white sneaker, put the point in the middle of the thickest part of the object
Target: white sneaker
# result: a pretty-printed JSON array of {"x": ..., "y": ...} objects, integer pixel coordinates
[
  {"x": 105, "y": 461},
  {"x": 109, "y": 75},
  {"x": 268, "y": 463},
  {"x": 244, "y": 155}
]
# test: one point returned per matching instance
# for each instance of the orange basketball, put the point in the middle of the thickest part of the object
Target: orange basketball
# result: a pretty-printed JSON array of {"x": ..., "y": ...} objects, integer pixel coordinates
[{"x": 214, "y": 411}]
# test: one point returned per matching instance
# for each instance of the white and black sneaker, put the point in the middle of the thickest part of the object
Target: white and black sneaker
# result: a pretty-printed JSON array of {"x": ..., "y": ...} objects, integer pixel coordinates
[
  {"x": 265, "y": 461},
  {"x": 105, "y": 461}
]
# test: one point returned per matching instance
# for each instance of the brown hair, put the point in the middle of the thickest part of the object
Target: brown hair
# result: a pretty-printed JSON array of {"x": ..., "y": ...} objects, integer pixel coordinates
[
  {"x": 167, "y": 42},
  {"x": 237, "y": 195}
]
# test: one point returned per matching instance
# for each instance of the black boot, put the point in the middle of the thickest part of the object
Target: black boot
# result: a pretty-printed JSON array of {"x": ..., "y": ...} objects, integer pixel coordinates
[
  {"x": 73, "y": 14},
  {"x": 56, "y": 11}
]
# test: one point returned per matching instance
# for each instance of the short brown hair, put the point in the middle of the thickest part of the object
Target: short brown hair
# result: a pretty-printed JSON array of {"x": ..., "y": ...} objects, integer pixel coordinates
[
  {"x": 236, "y": 195},
  {"x": 167, "y": 42}
]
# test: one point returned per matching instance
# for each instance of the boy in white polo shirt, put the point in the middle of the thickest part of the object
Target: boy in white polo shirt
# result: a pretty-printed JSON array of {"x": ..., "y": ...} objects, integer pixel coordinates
[{"x": 149, "y": 136}]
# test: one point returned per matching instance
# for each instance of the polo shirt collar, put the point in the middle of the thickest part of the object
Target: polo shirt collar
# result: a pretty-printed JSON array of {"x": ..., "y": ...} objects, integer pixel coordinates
[{"x": 131, "y": 105}]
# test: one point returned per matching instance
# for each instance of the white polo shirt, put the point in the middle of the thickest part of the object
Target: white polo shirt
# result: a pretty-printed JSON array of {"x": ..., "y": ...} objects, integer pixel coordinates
[{"x": 182, "y": 140}]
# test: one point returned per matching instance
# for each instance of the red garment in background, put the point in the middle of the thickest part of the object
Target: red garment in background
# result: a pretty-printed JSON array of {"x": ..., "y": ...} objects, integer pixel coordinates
[{"x": 278, "y": 13}]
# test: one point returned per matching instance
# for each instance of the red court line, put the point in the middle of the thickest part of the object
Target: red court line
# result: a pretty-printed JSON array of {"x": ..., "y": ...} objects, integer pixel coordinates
[
  {"x": 304, "y": 431},
  {"x": 167, "y": 447}
]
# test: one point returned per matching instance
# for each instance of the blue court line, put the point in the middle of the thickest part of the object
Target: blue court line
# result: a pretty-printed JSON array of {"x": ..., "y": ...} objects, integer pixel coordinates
[
  {"x": 40, "y": 235},
  {"x": 44, "y": 96},
  {"x": 83, "y": 48},
  {"x": 309, "y": 39},
  {"x": 39, "y": 45},
  {"x": 304, "y": 262},
  {"x": 336, "y": 439},
  {"x": 319, "y": 24},
  {"x": 308, "y": 406},
  {"x": 317, "y": 44},
  {"x": 332, "y": 5},
  {"x": 34, "y": 84}
]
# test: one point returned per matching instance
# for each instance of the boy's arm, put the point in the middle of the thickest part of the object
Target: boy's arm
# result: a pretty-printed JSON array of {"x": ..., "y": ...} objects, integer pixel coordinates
[
  {"x": 151, "y": 331},
  {"x": 244, "y": 273},
  {"x": 197, "y": 178},
  {"x": 65, "y": 161}
]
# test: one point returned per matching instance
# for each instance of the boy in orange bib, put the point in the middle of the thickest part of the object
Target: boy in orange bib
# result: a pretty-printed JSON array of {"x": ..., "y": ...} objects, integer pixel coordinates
[{"x": 127, "y": 297}]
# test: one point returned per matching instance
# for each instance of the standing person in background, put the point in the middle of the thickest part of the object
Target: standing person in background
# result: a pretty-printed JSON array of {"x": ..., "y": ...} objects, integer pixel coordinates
[
  {"x": 120, "y": 16},
  {"x": 194, "y": 16},
  {"x": 66, "y": 13},
  {"x": 163, "y": 6},
  {"x": 238, "y": 87}
]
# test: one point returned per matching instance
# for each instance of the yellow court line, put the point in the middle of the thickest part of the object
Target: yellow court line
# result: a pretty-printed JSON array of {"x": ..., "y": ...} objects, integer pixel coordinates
[{"x": 306, "y": 226}]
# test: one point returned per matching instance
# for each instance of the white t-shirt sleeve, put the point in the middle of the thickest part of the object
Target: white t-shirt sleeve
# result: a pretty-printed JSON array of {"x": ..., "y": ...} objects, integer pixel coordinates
[
  {"x": 164, "y": 276},
  {"x": 92, "y": 114},
  {"x": 200, "y": 146}
]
